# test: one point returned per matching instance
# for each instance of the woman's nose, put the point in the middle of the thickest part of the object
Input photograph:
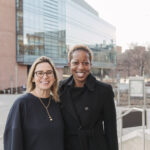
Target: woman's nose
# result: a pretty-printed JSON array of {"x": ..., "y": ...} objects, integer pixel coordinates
[
  {"x": 80, "y": 65},
  {"x": 45, "y": 75}
]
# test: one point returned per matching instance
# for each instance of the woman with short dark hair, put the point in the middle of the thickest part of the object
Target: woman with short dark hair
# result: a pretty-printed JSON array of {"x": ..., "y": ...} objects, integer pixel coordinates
[{"x": 87, "y": 106}]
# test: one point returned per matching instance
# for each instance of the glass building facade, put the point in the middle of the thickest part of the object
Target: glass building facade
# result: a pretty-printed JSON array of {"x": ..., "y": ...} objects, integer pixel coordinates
[
  {"x": 40, "y": 30},
  {"x": 51, "y": 27},
  {"x": 83, "y": 25}
]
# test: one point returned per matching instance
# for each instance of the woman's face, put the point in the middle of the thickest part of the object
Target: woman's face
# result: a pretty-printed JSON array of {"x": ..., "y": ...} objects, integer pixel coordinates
[
  {"x": 80, "y": 67},
  {"x": 43, "y": 76}
]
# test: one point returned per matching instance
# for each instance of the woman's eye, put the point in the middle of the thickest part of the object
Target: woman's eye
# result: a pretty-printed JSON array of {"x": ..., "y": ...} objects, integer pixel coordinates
[
  {"x": 49, "y": 72},
  {"x": 85, "y": 63},
  {"x": 75, "y": 63},
  {"x": 40, "y": 73}
]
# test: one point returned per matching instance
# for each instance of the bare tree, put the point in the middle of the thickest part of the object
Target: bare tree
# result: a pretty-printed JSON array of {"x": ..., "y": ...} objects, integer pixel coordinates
[
  {"x": 138, "y": 55},
  {"x": 133, "y": 62}
]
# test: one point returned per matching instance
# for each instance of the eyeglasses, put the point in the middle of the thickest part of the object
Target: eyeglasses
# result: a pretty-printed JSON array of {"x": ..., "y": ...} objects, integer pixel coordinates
[{"x": 40, "y": 74}]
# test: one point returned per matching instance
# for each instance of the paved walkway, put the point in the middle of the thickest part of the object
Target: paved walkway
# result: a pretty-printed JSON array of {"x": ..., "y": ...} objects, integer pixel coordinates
[{"x": 6, "y": 102}]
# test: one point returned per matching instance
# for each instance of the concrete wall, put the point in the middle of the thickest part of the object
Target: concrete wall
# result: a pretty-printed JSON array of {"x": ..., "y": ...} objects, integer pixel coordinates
[{"x": 134, "y": 140}]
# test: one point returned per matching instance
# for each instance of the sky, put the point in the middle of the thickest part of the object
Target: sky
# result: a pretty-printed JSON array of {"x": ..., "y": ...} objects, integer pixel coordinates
[{"x": 130, "y": 17}]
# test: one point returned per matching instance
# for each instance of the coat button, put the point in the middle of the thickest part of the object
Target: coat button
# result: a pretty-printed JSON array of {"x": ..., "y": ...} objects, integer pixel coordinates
[
  {"x": 86, "y": 108},
  {"x": 80, "y": 127}
]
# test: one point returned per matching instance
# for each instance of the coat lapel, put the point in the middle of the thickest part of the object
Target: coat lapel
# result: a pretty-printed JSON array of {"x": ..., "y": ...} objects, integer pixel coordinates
[
  {"x": 68, "y": 104},
  {"x": 66, "y": 98}
]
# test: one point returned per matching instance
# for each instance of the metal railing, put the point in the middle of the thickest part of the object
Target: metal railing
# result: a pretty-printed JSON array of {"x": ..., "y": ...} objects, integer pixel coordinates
[{"x": 127, "y": 111}]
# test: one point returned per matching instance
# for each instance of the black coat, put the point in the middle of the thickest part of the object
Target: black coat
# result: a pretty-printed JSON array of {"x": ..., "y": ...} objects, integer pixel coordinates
[{"x": 91, "y": 125}]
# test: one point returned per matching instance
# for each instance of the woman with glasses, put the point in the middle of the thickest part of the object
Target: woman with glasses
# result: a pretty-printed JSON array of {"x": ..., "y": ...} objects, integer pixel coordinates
[
  {"x": 87, "y": 106},
  {"x": 34, "y": 121}
]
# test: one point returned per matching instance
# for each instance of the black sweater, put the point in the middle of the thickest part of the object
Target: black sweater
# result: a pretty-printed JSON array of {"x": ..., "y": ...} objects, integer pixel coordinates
[{"x": 29, "y": 128}]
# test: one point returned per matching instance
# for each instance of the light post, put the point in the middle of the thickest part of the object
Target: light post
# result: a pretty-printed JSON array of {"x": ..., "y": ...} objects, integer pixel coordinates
[
  {"x": 16, "y": 71},
  {"x": 118, "y": 88}
]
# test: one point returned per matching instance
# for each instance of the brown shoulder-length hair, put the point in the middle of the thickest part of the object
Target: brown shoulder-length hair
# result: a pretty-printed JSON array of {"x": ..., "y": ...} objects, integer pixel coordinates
[
  {"x": 31, "y": 84},
  {"x": 80, "y": 48}
]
